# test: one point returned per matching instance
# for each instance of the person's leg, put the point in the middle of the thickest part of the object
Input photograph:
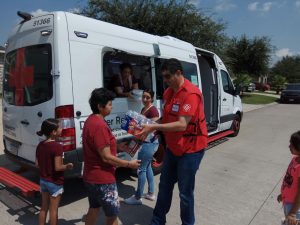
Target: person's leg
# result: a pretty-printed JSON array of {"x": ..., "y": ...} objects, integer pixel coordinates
[
  {"x": 110, "y": 203},
  {"x": 44, "y": 208},
  {"x": 94, "y": 197},
  {"x": 112, "y": 220},
  {"x": 188, "y": 165},
  {"x": 53, "y": 209},
  {"x": 92, "y": 216},
  {"x": 166, "y": 185},
  {"x": 149, "y": 172},
  {"x": 141, "y": 172},
  {"x": 150, "y": 178}
]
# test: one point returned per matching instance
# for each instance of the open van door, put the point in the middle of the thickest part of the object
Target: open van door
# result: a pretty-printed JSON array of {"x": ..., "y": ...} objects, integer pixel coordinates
[
  {"x": 227, "y": 101},
  {"x": 28, "y": 97}
]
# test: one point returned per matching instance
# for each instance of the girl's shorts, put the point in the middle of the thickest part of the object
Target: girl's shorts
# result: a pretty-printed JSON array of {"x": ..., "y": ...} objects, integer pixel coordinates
[
  {"x": 53, "y": 189},
  {"x": 287, "y": 207},
  {"x": 105, "y": 196}
]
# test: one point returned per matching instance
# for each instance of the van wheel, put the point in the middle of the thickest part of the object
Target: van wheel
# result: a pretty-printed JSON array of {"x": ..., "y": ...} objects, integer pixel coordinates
[
  {"x": 158, "y": 157},
  {"x": 236, "y": 126}
]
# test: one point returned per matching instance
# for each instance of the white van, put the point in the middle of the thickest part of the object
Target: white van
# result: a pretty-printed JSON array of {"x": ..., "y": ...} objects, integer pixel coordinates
[{"x": 54, "y": 61}]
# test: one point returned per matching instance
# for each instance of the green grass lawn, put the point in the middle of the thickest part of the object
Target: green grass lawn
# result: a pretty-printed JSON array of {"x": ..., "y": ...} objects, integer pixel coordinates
[{"x": 257, "y": 99}]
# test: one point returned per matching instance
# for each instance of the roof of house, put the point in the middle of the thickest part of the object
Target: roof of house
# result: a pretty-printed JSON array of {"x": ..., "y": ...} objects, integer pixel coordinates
[{"x": 2, "y": 48}]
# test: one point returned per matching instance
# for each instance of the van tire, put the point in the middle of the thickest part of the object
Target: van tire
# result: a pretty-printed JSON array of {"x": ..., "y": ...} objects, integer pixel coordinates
[
  {"x": 236, "y": 124},
  {"x": 157, "y": 162}
]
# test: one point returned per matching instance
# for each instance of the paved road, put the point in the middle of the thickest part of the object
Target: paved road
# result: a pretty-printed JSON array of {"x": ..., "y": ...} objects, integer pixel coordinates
[{"x": 237, "y": 183}]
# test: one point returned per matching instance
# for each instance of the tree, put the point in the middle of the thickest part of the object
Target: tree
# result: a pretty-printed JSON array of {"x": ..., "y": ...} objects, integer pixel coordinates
[
  {"x": 177, "y": 18},
  {"x": 278, "y": 82},
  {"x": 289, "y": 67},
  {"x": 250, "y": 56},
  {"x": 242, "y": 80}
]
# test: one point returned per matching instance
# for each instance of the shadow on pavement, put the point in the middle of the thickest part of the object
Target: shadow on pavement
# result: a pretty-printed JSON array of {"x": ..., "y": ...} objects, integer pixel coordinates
[{"x": 26, "y": 209}]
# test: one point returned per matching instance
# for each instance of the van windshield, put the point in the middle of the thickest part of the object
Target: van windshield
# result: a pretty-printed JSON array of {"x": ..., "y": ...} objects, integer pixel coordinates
[{"x": 27, "y": 76}]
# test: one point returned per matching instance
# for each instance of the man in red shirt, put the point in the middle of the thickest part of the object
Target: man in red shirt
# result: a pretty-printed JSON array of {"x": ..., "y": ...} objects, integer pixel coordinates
[{"x": 184, "y": 128}]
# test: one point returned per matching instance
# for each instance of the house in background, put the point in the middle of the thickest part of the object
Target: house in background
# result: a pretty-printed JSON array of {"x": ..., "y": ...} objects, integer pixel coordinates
[{"x": 2, "y": 51}]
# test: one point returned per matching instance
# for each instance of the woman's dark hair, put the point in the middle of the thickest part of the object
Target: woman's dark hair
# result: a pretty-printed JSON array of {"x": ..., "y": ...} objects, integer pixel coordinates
[
  {"x": 295, "y": 140},
  {"x": 48, "y": 126},
  {"x": 124, "y": 66},
  {"x": 100, "y": 96},
  {"x": 149, "y": 91},
  {"x": 171, "y": 65}
]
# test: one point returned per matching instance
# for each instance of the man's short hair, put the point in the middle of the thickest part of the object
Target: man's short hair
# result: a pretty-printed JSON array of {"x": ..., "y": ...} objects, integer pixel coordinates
[
  {"x": 100, "y": 96},
  {"x": 171, "y": 65}
]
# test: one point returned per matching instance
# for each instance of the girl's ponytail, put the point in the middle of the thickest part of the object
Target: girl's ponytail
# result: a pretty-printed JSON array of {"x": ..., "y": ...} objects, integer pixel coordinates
[{"x": 48, "y": 126}]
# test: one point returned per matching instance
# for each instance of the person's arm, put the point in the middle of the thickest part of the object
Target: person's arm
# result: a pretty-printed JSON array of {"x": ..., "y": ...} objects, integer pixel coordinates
[
  {"x": 179, "y": 125},
  {"x": 135, "y": 83},
  {"x": 154, "y": 114},
  {"x": 120, "y": 93},
  {"x": 59, "y": 166},
  {"x": 107, "y": 157},
  {"x": 36, "y": 163}
]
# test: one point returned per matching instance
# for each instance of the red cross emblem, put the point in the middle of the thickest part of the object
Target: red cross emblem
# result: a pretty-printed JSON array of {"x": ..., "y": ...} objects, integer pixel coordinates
[{"x": 20, "y": 76}]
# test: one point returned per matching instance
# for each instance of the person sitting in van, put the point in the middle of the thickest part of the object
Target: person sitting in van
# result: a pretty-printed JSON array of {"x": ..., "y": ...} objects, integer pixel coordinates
[{"x": 124, "y": 82}]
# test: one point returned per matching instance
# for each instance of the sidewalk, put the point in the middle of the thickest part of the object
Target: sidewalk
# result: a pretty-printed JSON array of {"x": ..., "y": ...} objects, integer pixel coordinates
[
  {"x": 250, "y": 107},
  {"x": 267, "y": 93}
]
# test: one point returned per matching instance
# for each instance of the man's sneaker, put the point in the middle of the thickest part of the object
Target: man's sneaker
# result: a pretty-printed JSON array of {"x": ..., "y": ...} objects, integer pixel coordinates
[
  {"x": 149, "y": 196},
  {"x": 133, "y": 201}
]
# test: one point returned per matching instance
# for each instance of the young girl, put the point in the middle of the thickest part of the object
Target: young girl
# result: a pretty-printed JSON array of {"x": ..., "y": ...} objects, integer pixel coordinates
[
  {"x": 146, "y": 155},
  {"x": 290, "y": 189},
  {"x": 49, "y": 160}
]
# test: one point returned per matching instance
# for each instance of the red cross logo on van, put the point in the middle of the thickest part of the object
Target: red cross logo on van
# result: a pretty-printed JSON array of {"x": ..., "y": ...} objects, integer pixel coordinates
[{"x": 21, "y": 76}]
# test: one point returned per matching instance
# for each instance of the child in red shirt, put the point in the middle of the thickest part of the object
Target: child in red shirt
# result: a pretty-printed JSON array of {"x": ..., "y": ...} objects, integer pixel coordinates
[
  {"x": 290, "y": 189},
  {"x": 49, "y": 160}
]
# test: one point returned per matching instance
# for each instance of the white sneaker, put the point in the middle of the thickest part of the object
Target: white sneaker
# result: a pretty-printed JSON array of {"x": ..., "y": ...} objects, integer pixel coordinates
[
  {"x": 149, "y": 196},
  {"x": 133, "y": 201}
]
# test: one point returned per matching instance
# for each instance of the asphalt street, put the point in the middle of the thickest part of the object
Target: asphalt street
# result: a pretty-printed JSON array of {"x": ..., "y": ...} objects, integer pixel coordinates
[{"x": 237, "y": 183}]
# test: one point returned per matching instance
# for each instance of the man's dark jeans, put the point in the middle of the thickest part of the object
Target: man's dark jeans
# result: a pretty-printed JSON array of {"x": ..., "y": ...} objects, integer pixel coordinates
[{"x": 181, "y": 169}]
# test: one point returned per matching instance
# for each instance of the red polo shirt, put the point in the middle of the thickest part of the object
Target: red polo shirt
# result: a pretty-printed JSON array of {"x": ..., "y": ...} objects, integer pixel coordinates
[
  {"x": 185, "y": 102},
  {"x": 95, "y": 136}
]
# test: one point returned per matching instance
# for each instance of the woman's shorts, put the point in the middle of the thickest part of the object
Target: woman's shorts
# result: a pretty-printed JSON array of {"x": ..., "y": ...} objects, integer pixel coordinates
[
  {"x": 105, "y": 196},
  {"x": 53, "y": 189}
]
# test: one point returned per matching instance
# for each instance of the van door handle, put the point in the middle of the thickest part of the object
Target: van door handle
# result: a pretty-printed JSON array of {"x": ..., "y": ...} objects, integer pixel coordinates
[
  {"x": 224, "y": 99},
  {"x": 25, "y": 122}
]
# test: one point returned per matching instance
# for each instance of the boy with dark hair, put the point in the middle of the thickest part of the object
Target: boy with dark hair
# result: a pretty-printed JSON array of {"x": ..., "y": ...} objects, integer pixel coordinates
[{"x": 290, "y": 188}]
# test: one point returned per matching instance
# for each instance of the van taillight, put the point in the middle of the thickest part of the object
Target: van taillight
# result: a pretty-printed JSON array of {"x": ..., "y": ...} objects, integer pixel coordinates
[
  {"x": 65, "y": 114},
  {"x": 65, "y": 111}
]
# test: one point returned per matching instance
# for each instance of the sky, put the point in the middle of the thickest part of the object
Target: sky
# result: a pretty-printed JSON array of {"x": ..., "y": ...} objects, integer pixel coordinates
[{"x": 277, "y": 19}]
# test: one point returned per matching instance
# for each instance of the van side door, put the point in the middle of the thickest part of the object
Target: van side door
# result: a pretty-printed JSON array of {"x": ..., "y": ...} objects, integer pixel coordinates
[{"x": 227, "y": 101}]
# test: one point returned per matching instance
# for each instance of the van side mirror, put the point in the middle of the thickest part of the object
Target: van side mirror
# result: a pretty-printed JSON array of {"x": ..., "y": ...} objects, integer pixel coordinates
[{"x": 237, "y": 90}]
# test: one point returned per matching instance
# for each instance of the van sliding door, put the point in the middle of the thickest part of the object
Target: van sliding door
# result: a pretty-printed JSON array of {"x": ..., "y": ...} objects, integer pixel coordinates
[{"x": 209, "y": 89}]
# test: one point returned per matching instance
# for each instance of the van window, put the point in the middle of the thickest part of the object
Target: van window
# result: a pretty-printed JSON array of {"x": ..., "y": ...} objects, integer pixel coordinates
[
  {"x": 27, "y": 76},
  {"x": 141, "y": 69},
  {"x": 189, "y": 71},
  {"x": 226, "y": 81}
]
